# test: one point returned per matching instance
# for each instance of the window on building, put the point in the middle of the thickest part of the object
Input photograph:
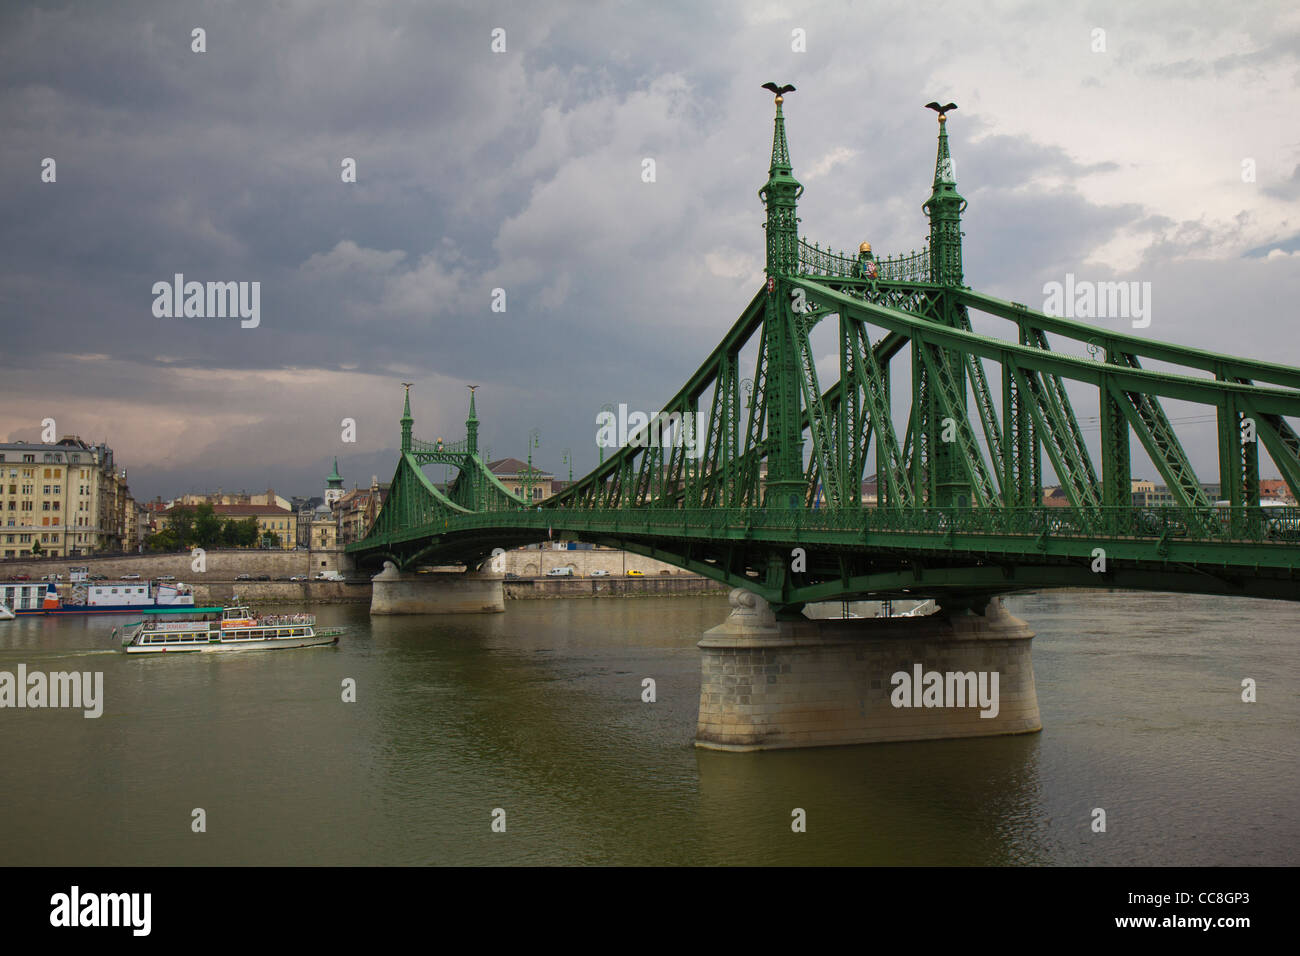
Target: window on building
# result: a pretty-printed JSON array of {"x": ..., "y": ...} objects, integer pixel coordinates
[{"x": 58, "y": 472}]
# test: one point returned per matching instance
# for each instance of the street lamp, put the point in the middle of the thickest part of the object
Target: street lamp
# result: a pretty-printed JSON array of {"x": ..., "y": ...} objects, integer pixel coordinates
[
  {"x": 534, "y": 441},
  {"x": 567, "y": 459}
]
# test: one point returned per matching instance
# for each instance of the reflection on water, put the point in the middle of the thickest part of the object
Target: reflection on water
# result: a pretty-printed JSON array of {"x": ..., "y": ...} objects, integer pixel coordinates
[{"x": 538, "y": 711}]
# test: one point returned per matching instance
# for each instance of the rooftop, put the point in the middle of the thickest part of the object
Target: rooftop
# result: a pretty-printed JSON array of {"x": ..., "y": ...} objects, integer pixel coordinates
[{"x": 513, "y": 467}]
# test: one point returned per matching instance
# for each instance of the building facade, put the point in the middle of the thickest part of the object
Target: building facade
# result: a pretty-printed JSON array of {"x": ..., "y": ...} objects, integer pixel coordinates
[
  {"x": 356, "y": 511},
  {"x": 219, "y": 497},
  {"x": 62, "y": 499}
]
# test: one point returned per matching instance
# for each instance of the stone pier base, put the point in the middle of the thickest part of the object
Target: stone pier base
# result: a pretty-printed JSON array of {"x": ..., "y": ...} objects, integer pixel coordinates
[
  {"x": 453, "y": 592},
  {"x": 769, "y": 684}
]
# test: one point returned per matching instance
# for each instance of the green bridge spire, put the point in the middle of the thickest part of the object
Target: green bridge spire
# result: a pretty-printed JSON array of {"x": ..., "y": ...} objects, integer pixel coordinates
[
  {"x": 786, "y": 484},
  {"x": 407, "y": 420},
  {"x": 471, "y": 424},
  {"x": 780, "y": 194},
  {"x": 944, "y": 207}
]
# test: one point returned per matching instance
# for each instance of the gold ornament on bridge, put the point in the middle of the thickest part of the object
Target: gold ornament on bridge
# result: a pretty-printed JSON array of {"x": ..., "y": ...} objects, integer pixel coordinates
[{"x": 780, "y": 91}]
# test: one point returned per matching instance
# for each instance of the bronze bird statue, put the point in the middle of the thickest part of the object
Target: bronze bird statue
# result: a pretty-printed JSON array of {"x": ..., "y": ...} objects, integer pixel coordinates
[
  {"x": 940, "y": 109},
  {"x": 779, "y": 90}
]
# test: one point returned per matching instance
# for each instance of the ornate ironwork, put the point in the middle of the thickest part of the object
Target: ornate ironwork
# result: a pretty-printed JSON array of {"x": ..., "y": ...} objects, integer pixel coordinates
[{"x": 959, "y": 505}]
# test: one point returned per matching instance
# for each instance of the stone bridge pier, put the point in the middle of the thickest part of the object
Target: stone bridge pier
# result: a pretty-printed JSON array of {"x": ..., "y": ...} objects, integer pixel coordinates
[
  {"x": 768, "y": 684},
  {"x": 437, "y": 592}
]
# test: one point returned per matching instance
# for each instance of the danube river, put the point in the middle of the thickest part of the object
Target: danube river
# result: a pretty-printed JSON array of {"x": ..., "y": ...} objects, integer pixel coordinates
[{"x": 538, "y": 712}]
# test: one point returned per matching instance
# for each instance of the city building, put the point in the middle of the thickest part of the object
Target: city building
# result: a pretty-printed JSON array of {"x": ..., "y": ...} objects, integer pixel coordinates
[
  {"x": 515, "y": 475},
  {"x": 281, "y": 523},
  {"x": 1152, "y": 495},
  {"x": 1141, "y": 489},
  {"x": 357, "y": 509},
  {"x": 220, "y": 497},
  {"x": 1275, "y": 489},
  {"x": 67, "y": 497}
]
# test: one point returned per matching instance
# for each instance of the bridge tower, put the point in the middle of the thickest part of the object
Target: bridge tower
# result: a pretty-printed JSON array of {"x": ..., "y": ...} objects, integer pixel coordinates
[
  {"x": 949, "y": 486},
  {"x": 944, "y": 209},
  {"x": 786, "y": 484},
  {"x": 471, "y": 426},
  {"x": 407, "y": 421}
]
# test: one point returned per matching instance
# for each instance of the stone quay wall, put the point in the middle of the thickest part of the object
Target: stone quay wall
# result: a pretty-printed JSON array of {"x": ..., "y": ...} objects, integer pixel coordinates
[{"x": 222, "y": 564}]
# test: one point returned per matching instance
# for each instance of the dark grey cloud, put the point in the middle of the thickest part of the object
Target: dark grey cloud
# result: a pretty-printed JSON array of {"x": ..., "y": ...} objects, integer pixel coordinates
[{"x": 519, "y": 170}]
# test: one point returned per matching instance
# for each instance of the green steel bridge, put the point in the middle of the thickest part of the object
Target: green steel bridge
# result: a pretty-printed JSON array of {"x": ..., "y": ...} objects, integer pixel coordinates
[{"x": 767, "y": 495}]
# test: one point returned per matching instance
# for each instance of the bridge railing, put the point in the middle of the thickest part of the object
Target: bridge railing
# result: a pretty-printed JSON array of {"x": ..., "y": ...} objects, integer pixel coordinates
[
  {"x": 814, "y": 260},
  {"x": 447, "y": 448},
  {"x": 1264, "y": 525}
]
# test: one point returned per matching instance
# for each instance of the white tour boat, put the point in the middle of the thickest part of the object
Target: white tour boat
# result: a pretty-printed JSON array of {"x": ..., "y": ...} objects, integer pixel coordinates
[{"x": 233, "y": 628}]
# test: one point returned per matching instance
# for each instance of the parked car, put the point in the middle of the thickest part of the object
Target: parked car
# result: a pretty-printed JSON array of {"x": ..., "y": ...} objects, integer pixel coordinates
[
  {"x": 511, "y": 576},
  {"x": 130, "y": 577},
  {"x": 98, "y": 577},
  {"x": 22, "y": 577},
  {"x": 165, "y": 577},
  {"x": 262, "y": 577},
  {"x": 636, "y": 574},
  {"x": 600, "y": 573},
  {"x": 299, "y": 577},
  {"x": 243, "y": 577},
  {"x": 560, "y": 573}
]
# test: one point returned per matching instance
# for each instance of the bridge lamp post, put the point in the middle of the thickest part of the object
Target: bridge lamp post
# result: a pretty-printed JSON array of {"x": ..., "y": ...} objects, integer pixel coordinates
[
  {"x": 567, "y": 459},
  {"x": 534, "y": 441},
  {"x": 747, "y": 386}
]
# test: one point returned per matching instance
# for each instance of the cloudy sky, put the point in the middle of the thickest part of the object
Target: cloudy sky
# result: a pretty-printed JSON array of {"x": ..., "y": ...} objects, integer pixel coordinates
[{"x": 521, "y": 170}]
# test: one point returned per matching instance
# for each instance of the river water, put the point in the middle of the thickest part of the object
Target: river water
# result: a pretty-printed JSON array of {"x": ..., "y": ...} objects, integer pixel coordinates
[{"x": 538, "y": 713}]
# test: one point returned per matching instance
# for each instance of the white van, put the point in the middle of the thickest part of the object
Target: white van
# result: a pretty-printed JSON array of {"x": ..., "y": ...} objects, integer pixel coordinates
[{"x": 560, "y": 573}]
